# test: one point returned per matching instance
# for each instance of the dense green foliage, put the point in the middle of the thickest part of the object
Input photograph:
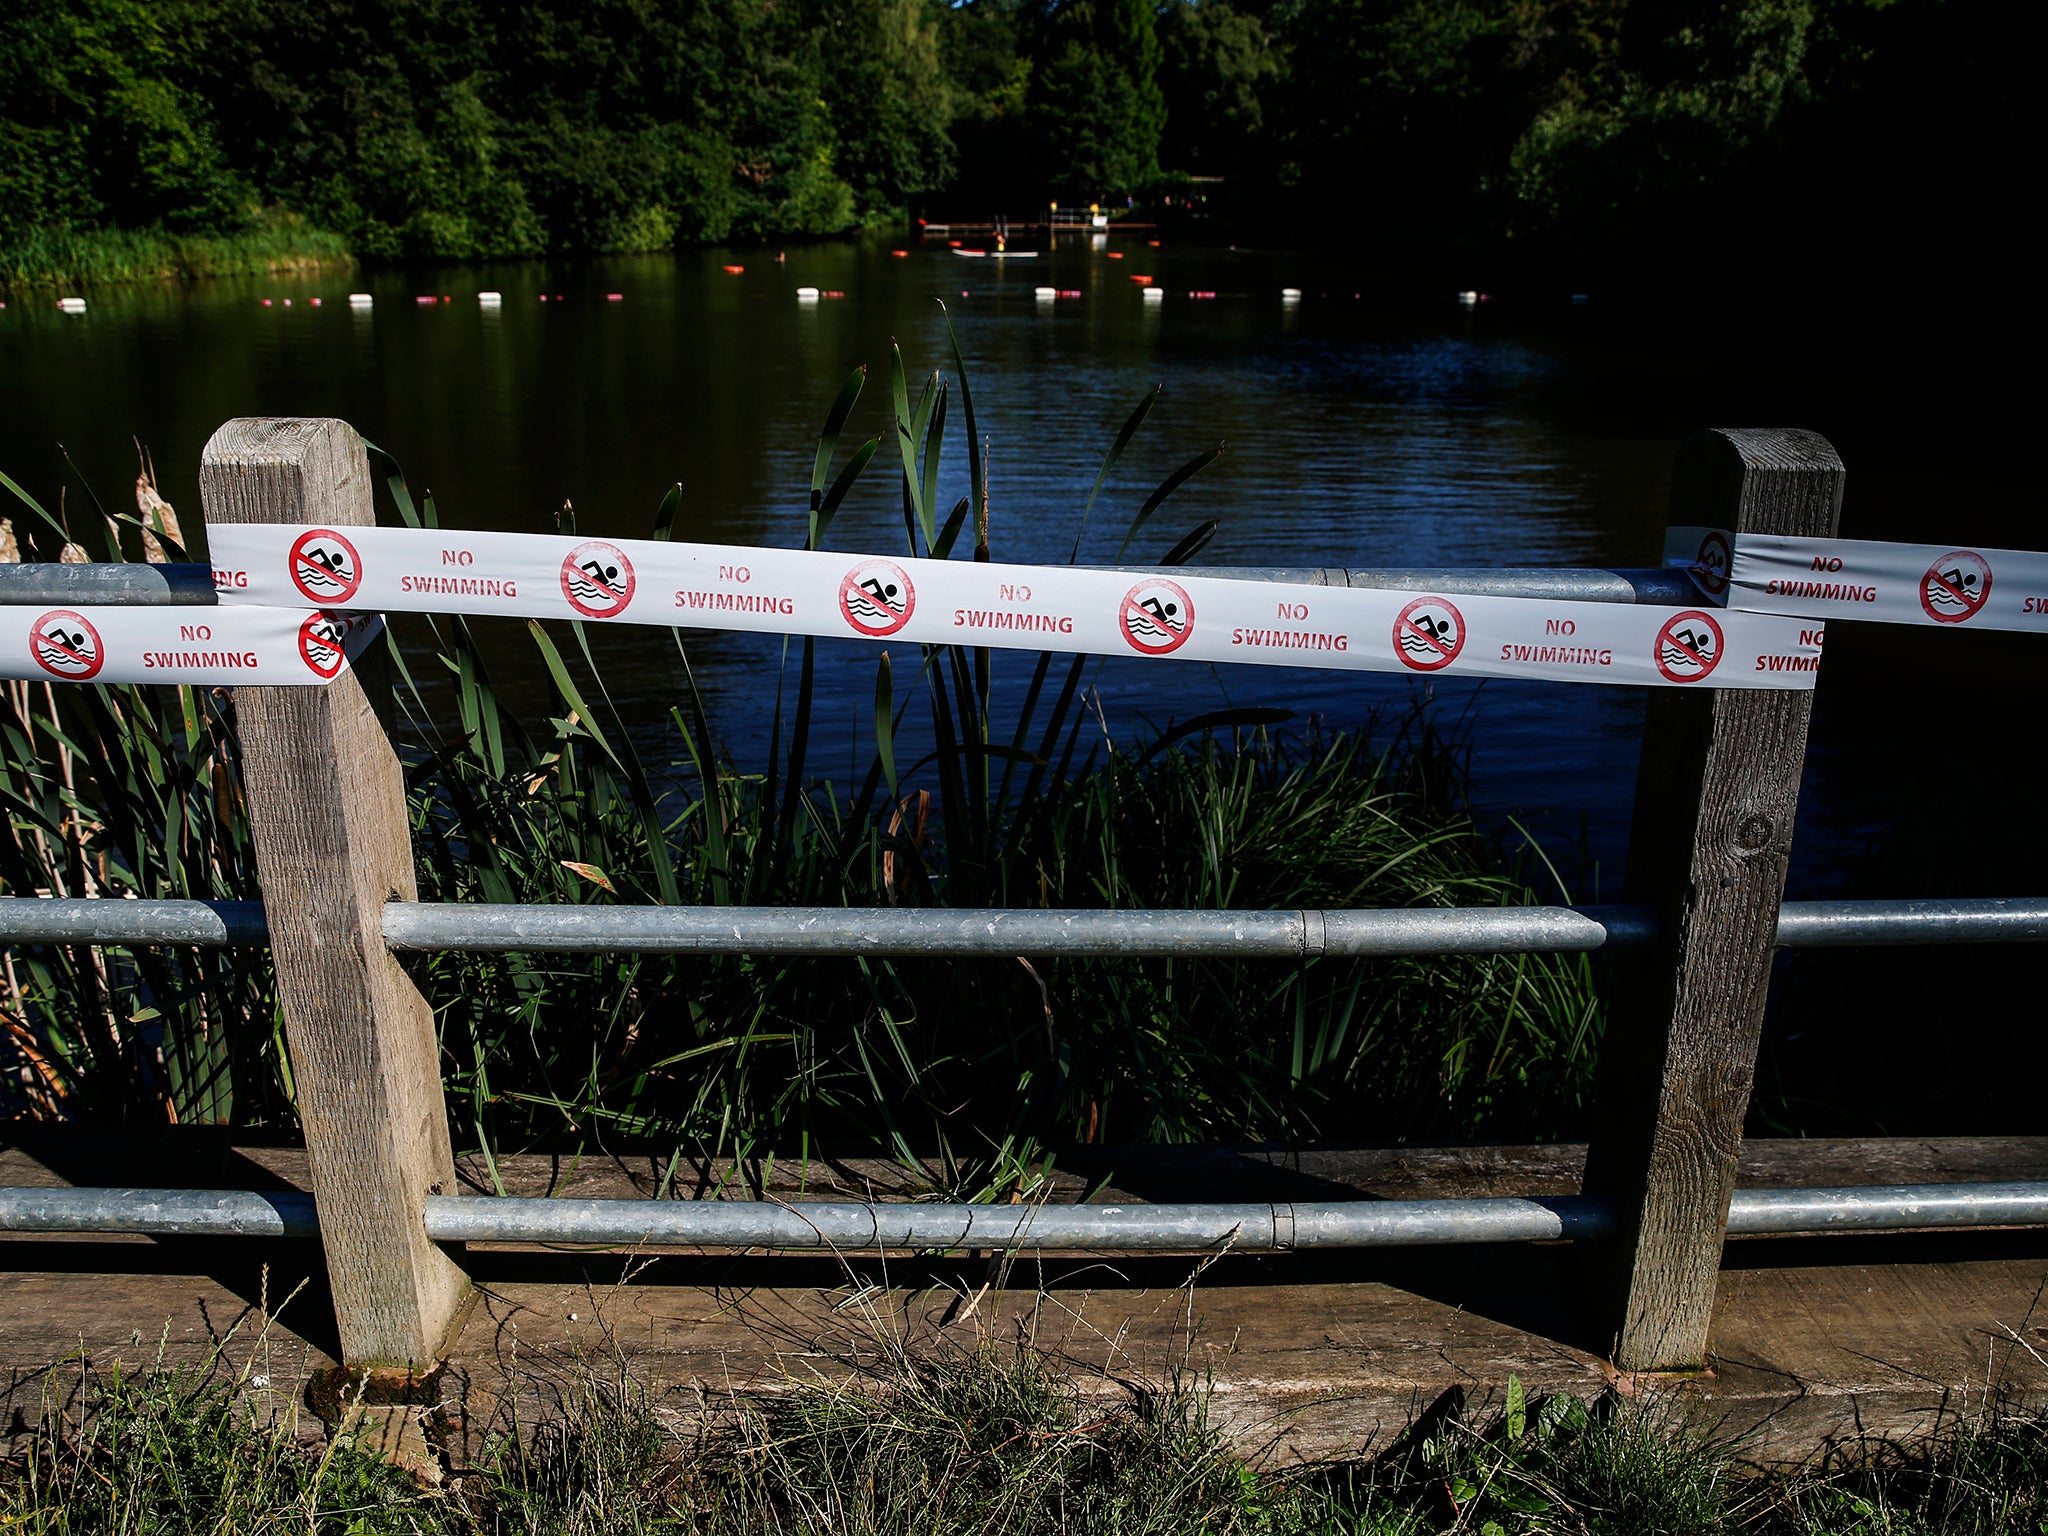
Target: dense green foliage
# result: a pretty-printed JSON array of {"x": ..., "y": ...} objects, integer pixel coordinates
[
  {"x": 993, "y": 1441},
  {"x": 463, "y": 129},
  {"x": 1589, "y": 134},
  {"x": 969, "y": 1070}
]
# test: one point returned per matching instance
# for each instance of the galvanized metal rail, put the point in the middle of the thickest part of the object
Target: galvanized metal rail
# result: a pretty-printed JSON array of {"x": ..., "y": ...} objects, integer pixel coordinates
[
  {"x": 1245, "y": 1227},
  {"x": 429, "y": 926},
  {"x": 370, "y": 1321},
  {"x": 192, "y": 585},
  {"x": 133, "y": 586}
]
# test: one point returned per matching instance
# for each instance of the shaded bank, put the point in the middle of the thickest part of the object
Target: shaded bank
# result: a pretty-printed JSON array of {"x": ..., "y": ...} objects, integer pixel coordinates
[{"x": 1761, "y": 145}]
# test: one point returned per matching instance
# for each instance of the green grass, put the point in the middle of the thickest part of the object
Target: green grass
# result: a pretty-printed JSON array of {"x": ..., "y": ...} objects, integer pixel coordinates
[
  {"x": 67, "y": 258},
  {"x": 988, "y": 1440},
  {"x": 970, "y": 1071}
]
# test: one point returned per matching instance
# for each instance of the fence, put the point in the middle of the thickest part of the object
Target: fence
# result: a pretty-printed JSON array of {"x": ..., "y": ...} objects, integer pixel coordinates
[{"x": 1716, "y": 795}]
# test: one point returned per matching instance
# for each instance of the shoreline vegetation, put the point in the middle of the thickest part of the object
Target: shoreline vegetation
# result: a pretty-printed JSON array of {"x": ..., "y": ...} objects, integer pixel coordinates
[
  {"x": 70, "y": 258},
  {"x": 1494, "y": 143},
  {"x": 985, "y": 1439},
  {"x": 968, "y": 1073}
]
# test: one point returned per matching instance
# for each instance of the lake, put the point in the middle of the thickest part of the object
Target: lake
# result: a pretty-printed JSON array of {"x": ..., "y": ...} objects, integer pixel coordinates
[{"x": 1361, "y": 428}]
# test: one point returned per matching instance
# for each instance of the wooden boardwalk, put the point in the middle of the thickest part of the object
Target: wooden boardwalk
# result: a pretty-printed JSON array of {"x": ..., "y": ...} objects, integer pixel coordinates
[{"x": 1816, "y": 1341}]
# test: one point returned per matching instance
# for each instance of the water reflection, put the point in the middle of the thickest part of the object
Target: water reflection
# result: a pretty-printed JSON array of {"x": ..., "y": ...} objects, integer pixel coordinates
[{"x": 1356, "y": 433}]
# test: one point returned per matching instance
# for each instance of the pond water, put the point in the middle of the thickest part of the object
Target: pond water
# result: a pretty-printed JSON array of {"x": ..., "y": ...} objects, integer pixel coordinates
[{"x": 1361, "y": 429}]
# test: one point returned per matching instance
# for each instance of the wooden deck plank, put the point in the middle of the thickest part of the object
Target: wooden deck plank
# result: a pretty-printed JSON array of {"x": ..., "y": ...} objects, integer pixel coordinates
[{"x": 1311, "y": 1356}]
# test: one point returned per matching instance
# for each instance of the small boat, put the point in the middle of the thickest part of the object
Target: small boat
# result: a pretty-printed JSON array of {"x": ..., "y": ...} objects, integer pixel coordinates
[{"x": 998, "y": 254}]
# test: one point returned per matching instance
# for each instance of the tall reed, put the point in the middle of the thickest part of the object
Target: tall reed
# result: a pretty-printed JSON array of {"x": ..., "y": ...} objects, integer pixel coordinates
[{"x": 969, "y": 1071}]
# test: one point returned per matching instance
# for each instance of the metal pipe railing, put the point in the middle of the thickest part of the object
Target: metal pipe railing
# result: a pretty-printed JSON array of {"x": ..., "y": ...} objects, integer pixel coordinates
[
  {"x": 160, "y": 1212},
  {"x": 1003, "y": 931},
  {"x": 1850, "y": 924},
  {"x": 1008, "y": 931},
  {"x": 1887, "y": 1208},
  {"x": 132, "y": 586},
  {"x": 1661, "y": 586},
  {"x": 191, "y": 585},
  {"x": 141, "y": 924},
  {"x": 1243, "y": 1227},
  {"x": 850, "y": 1226}
]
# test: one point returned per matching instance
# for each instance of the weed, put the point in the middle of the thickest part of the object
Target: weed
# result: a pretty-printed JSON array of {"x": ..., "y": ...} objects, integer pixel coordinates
[
  {"x": 982, "y": 1440},
  {"x": 969, "y": 1071}
]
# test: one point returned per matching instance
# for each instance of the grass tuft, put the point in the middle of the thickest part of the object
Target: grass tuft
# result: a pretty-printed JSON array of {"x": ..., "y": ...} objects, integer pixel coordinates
[
  {"x": 989, "y": 1441},
  {"x": 972, "y": 1072},
  {"x": 73, "y": 258}
]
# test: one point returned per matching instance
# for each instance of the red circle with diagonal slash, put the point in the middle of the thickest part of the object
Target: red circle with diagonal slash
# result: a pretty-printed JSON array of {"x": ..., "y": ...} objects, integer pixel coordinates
[
  {"x": 1689, "y": 646},
  {"x": 323, "y": 644},
  {"x": 598, "y": 579},
  {"x": 1156, "y": 616},
  {"x": 1956, "y": 587},
  {"x": 877, "y": 598},
  {"x": 66, "y": 645},
  {"x": 1429, "y": 633},
  {"x": 1710, "y": 565},
  {"x": 325, "y": 567}
]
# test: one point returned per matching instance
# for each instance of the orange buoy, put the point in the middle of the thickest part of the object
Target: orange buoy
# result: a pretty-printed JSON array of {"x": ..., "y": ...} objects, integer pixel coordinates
[{"x": 735, "y": 269}]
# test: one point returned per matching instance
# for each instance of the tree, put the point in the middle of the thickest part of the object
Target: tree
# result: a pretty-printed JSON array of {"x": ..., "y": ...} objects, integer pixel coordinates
[
  {"x": 1095, "y": 108},
  {"x": 1217, "y": 65}
]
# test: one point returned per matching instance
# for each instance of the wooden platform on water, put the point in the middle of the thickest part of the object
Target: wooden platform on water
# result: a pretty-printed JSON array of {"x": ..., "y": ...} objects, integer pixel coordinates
[{"x": 1817, "y": 1341}]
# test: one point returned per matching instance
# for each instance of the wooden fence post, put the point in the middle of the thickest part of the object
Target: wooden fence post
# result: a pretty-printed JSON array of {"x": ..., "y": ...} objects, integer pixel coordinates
[
  {"x": 1716, "y": 791},
  {"x": 333, "y": 844}
]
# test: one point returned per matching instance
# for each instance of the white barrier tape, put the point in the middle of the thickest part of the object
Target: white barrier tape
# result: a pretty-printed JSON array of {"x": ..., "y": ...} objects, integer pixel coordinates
[
  {"x": 207, "y": 647},
  {"x": 1040, "y": 608},
  {"x": 1890, "y": 583}
]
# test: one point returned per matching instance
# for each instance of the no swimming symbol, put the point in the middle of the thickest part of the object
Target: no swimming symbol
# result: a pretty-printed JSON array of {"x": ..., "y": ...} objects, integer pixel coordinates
[
  {"x": 325, "y": 567},
  {"x": 597, "y": 579},
  {"x": 1429, "y": 633},
  {"x": 1688, "y": 646},
  {"x": 322, "y": 642},
  {"x": 1157, "y": 616},
  {"x": 1710, "y": 566},
  {"x": 67, "y": 646},
  {"x": 876, "y": 598},
  {"x": 1955, "y": 587}
]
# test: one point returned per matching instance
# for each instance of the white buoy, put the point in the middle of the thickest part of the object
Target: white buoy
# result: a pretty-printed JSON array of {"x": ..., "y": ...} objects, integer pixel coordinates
[
  {"x": 1154, "y": 294},
  {"x": 807, "y": 295},
  {"x": 1290, "y": 295},
  {"x": 490, "y": 298},
  {"x": 72, "y": 306},
  {"x": 360, "y": 300}
]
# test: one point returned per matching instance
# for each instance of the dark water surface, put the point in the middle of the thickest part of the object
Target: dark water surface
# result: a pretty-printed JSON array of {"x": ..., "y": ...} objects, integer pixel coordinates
[{"x": 1360, "y": 432}]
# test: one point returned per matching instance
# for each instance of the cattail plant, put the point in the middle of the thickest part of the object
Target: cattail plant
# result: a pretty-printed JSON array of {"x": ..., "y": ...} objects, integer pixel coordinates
[{"x": 971, "y": 1072}]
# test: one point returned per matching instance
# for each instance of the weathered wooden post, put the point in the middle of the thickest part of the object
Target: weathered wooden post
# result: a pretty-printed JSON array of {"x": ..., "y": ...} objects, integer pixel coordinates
[
  {"x": 1715, "y": 795},
  {"x": 327, "y": 810}
]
